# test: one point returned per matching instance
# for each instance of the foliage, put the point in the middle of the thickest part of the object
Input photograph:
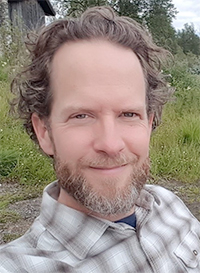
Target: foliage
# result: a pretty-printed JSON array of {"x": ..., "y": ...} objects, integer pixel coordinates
[
  {"x": 187, "y": 87},
  {"x": 8, "y": 161},
  {"x": 7, "y": 215},
  {"x": 19, "y": 158},
  {"x": 175, "y": 146},
  {"x": 3, "y": 72},
  {"x": 12, "y": 47},
  {"x": 158, "y": 16},
  {"x": 193, "y": 62},
  {"x": 75, "y": 8},
  {"x": 132, "y": 9},
  {"x": 188, "y": 40}
]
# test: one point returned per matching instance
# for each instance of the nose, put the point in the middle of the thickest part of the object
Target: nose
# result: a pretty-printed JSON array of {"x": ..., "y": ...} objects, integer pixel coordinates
[{"x": 109, "y": 138}]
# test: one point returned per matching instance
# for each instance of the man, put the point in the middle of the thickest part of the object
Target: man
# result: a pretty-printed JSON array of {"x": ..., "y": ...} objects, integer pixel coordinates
[{"x": 90, "y": 97}]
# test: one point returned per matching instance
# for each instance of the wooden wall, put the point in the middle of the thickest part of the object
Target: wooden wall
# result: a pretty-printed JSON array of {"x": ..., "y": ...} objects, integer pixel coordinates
[{"x": 26, "y": 14}]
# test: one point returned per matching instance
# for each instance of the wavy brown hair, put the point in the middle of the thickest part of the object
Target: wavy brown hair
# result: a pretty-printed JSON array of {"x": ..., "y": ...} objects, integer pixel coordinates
[{"x": 32, "y": 86}]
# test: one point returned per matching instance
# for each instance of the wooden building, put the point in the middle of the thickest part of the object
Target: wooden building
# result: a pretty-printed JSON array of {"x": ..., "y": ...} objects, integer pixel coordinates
[{"x": 29, "y": 14}]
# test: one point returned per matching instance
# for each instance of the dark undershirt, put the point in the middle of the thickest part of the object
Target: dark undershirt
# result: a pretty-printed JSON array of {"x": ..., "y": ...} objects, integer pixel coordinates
[{"x": 130, "y": 220}]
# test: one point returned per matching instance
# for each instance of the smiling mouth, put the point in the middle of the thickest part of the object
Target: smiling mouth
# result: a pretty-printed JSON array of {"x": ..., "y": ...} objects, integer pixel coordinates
[{"x": 108, "y": 169}]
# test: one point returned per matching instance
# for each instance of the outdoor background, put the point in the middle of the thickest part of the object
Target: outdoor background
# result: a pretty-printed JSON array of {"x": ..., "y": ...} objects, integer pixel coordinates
[{"x": 175, "y": 145}]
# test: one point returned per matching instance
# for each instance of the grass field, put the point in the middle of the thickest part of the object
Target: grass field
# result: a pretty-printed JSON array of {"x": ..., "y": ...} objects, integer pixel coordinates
[
  {"x": 175, "y": 147},
  {"x": 20, "y": 159}
]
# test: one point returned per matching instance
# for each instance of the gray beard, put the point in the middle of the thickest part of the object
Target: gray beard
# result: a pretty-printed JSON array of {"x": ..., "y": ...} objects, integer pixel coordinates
[{"x": 114, "y": 201}]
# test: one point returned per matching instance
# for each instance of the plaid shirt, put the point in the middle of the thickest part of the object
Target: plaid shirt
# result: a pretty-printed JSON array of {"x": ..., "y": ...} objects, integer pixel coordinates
[{"x": 166, "y": 239}]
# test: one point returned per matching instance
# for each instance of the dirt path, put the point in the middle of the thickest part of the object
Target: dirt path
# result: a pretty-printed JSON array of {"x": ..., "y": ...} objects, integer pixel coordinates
[{"x": 17, "y": 217}]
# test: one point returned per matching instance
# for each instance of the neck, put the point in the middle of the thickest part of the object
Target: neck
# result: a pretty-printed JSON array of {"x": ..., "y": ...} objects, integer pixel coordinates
[{"x": 67, "y": 200}]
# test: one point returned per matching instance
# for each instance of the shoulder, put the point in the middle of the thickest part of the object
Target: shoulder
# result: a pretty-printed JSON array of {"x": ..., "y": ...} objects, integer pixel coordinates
[
  {"x": 162, "y": 194},
  {"x": 20, "y": 245},
  {"x": 168, "y": 202}
]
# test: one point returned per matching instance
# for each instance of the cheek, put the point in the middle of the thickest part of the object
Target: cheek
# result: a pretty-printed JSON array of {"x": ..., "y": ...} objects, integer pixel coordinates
[
  {"x": 70, "y": 145},
  {"x": 139, "y": 144}
]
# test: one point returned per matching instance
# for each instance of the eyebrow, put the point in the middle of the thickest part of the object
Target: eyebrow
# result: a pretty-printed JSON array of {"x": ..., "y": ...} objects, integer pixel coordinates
[
  {"x": 81, "y": 108},
  {"x": 77, "y": 108}
]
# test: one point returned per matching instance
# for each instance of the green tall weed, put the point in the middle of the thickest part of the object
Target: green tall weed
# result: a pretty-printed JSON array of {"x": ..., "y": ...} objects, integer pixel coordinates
[
  {"x": 175, "y": 146},
  {"x": 19, "y": 157}
]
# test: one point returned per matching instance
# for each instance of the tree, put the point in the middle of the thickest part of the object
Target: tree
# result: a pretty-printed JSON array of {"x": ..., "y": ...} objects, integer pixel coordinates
[
  {"x": 128, "y": 8},
  {"x": 188, "y": 40},
  {"x": 158, "y": 16},
  {"x": 76, "y": 7}
]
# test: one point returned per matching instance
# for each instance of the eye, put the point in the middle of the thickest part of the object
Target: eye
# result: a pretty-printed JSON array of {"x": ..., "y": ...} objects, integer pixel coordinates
[
  {"x": 81, "y": 116},
  {"x": 129, "y": 114}
]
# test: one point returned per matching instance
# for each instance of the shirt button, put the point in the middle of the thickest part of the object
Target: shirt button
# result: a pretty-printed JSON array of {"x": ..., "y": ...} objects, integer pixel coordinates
[{"x": 195, "y": 252}]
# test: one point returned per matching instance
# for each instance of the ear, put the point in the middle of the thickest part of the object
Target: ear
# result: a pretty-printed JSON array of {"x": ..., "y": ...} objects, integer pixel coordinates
[{"x": 42, "y": 134}]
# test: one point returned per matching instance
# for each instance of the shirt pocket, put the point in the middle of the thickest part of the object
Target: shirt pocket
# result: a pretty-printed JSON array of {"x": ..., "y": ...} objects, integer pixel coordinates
[{"x": 189, "y": 251}]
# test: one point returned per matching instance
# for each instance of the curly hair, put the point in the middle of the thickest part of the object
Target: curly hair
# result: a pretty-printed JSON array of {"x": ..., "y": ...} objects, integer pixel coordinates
[{"x": 32, "y": 86}]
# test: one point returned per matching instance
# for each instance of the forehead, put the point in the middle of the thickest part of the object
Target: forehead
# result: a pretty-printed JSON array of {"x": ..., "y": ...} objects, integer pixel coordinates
[
  {"x": 96, "y": 53},
  {"x": 93, "y": 67}
]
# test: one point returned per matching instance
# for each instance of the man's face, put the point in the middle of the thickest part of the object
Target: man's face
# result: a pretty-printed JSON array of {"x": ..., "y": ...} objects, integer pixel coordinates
[{"x": 100, "y": 131}]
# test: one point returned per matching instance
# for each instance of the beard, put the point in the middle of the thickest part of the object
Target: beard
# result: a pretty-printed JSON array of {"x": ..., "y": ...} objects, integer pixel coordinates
[{"x": 112, "y": 200}]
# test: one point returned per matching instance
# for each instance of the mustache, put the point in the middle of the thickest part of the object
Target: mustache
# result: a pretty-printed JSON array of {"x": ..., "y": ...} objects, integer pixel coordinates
[{"x": 104, "y": 161}]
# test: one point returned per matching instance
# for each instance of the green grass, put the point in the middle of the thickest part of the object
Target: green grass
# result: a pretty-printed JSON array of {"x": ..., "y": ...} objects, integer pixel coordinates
[
  {"x": 9, "y": 237},
  {"x": 175, "y": 146},
  {"x": 19, "y": 157},
  {"x": 175, "y": 151},
  {"x": 7, "y": 215},
  {"x": 21, "y": 193}
]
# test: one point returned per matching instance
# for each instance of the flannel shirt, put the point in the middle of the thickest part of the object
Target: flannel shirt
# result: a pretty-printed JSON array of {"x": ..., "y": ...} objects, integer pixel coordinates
[{"x": 166, "y": 239}]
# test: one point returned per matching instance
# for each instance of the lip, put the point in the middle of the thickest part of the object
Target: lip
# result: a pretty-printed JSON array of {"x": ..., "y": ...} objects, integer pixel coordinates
[{"x": 109, "y": 170}]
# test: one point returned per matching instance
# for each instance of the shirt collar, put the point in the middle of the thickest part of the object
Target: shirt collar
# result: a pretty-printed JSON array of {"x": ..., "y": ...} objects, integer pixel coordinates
[
  {"x": 70, "y": 227},
  {"x": 147, "y": 198}
]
